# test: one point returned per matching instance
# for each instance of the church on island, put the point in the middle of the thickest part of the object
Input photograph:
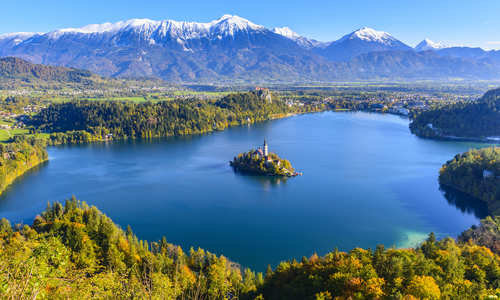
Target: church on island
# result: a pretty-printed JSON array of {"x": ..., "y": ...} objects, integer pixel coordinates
[
  {"x": 263, "y": 152},
  {"x": 263, "y": 162}
]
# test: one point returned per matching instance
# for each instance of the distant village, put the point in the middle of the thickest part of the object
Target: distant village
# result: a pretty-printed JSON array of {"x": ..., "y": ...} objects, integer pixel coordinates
[
  {"x": 399, "y": 103},
  {"x": 11, "y": 120}
]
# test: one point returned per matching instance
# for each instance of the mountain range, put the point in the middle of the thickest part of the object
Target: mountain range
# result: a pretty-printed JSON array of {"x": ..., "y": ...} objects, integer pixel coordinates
[{"x": 233, "y": 49}]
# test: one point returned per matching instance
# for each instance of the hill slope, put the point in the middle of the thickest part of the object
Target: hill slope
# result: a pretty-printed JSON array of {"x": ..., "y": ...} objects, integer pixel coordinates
[
  {"x": 16, "y": 68},
  {"x": 479, "y": 119},
  {"x": 18, "y": 72},
  {"x": 477, "y": 173},
  {"x": 76, "y": 252}
]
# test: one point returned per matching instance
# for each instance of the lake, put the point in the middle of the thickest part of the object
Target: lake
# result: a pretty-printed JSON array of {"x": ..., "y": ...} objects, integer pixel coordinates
[{"x": 367, "y": 181}]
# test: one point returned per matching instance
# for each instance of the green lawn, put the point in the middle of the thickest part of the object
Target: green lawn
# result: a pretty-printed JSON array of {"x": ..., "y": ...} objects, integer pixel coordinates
[
  {"x": 217, "y": 94},
  {"x": 6, "y": 135},
  {"x": 5, "y": 122},
  {"x": 132, "y": 99}
]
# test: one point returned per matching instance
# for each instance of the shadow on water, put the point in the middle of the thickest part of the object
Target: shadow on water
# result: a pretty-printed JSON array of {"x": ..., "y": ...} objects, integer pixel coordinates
[
  {"x": 36, "y": 169},
  {"x": 137, "y": 141},
  {"x": 464, "y": 202},
  {"x": 265, "y": 181}
]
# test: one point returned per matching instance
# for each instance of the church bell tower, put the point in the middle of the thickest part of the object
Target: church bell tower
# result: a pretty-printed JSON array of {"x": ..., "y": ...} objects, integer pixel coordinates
[{"x": 266, "y": 149}]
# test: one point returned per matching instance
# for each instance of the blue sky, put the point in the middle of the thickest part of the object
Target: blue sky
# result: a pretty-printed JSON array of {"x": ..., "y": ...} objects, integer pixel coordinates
[{"x": 457, "y": 22}]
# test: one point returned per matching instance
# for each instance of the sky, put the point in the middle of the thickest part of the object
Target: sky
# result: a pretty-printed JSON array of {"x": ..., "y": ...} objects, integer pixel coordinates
[{"x": 453, "y": 22}]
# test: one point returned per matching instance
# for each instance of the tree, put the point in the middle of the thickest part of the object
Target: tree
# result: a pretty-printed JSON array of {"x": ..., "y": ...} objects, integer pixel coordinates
[{"x": 424, "y": 287}]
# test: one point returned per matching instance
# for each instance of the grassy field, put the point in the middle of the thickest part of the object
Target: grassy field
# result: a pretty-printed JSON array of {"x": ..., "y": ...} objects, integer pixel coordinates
[
  {"x": 7, "y": 134},
  {"x": 5, "y": 122},
  {"x": 208, "y": 94},
  {"x": 132, "y": 99}
]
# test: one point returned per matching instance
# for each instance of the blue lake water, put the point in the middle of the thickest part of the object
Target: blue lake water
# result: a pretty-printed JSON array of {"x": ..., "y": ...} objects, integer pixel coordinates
[{"x": 367, "y": 181}]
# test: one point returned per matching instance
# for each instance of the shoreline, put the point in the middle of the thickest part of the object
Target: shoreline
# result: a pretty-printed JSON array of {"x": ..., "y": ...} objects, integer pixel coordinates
[
  {"x": 487, "y": 140},
  {"x": 20, "y": 172}
]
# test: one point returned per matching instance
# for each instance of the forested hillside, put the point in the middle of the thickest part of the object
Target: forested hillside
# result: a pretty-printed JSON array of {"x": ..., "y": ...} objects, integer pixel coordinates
[
  {"x": 76, "y": 252},
  {"x": 477, "y": 173},
  {"x": 435, "y": 270},
  {"x": 86, "y": 121},
  {"x": 73, "y": 251},
  {"x": 12, "y": 67},
  {"x": 18, "y": 157},
  {"x": 486, "y": 234},
  {"x": 16, "y": 72},
  {"x": 478, "y": 119}
]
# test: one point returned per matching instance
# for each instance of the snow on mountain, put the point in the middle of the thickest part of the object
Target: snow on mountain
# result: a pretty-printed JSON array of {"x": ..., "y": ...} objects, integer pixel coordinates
[
  {"x": 105, "y": 27},
  {"x": 429, "y": 45},
  {"x": 369, "y": 35},
  {"x": 286, "y": 32},
  {"x": 362, "y": 41},
  {"x": 227, "y": 25},
  {"x": 16, "y": 37},
  {"x": 233, "y": 48},
  {"x": 300, "y": 40},
  {"x": 24, "y": 35},
  {"x": 11, "y": 40}
]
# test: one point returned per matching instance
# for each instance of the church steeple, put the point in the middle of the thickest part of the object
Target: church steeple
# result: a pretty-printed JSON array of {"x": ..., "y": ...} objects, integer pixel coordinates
[{"x": 266, "y": 149}]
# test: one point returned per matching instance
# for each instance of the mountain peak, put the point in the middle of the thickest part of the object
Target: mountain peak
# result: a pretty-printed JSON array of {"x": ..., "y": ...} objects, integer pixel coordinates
[
  {"x": 361, "y": 41},
  {"x": 370, "y": 34},
  {"x": 427, "y": 44},
  {"x": 235, "y": 22}
]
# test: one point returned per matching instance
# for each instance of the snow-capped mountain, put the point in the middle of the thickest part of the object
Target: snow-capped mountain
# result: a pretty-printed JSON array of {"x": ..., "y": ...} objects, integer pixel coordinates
[
  {"x": 370, "y": 35},
  {"x": 157, "y": 31},
  {"x": 363, "y": 40},
  {"x": 462, "y": 52},
  {"x": 232, "y": 48},
  {"x": 300, "y": 40},
  {"x": 427, "y": 45}
]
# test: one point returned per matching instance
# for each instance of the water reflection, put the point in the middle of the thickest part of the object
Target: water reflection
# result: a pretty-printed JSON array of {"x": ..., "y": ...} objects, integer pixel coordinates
[
  {"x": 464, "y": 202},
  {"x": 266, "y": 182},
  {"x": 19, "y": 180}
]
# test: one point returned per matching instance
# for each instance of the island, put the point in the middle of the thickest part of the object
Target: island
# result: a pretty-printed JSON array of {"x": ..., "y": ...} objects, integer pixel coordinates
[{"x": 263, "y": 162}]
